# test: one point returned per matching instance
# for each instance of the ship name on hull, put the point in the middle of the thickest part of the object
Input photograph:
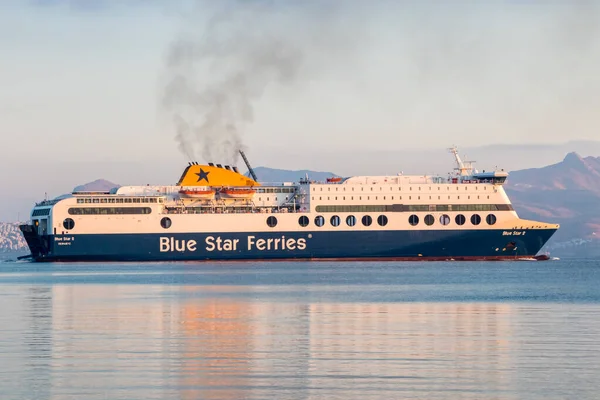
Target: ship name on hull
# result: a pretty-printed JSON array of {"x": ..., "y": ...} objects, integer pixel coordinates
[{"x": 212, "y": 243}]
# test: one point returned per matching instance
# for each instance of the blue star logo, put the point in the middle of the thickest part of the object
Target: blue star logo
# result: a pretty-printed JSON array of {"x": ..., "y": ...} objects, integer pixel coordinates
[{"x": 203, "y": 175}]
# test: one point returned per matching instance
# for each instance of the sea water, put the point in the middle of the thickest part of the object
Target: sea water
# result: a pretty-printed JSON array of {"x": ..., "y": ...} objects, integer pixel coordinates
[{"x": 300, "y": 330}]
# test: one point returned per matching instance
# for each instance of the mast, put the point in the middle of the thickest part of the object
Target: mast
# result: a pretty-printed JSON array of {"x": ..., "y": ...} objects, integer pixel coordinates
[
  {"x": 250, "y": 170},
  {"x": 464, "y": 168}
]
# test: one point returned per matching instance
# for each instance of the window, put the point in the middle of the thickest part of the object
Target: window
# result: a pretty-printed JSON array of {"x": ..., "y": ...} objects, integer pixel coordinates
[
  {"x": 303, "y": 221},
  {"x": 460, "y": 219},
  {"x": 335, "y": 220},
  {"x": 351, "y": 220},
  {"x": 367, "y": 220},
  {"x": 319, "y": 220},
  {"x": 362, "y": 208},
  {"x": 165, "y": 222},
  {"x": 68, "y": 223},
  {"x": 382, "y": 220},
  {"x": 444, "y": 219},
  {"x": 413, "y": 220},
  {"x": 429, "y": 220},
  {"x": 109, "y": 210},
  {"x": 39, "y": 212},
  {"x": 272, "y": 221},
  {"x": 475, "y": 219},
  {"x": 490, "y": 219}
]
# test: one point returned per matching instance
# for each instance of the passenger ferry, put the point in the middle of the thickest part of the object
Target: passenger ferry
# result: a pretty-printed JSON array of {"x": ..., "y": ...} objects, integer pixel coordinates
[{"x": 216, "y": 213}]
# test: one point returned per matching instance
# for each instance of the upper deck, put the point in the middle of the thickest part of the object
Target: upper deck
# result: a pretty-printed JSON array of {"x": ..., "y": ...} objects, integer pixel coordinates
[{"x": 223, "y": 189}]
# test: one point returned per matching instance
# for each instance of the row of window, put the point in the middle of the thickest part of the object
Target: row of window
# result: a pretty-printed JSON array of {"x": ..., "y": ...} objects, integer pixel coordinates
[
  {"x": 392, "y": 197},
  {"x": 445, "y": 219},
  {"x": 118, "y": 200},
  {"x": 415, "y": 208},
  {"x": 335, "y": 220},
  {"x": 342, "y": 188},
  {"x": 276, "y": 190},
  {"x": 40, "y": 211},
  {"x": 109, "y": 210}
]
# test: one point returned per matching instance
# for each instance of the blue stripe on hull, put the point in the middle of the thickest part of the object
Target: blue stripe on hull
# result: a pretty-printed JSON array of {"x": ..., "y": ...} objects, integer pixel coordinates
[{"x": 422, "y": 244}]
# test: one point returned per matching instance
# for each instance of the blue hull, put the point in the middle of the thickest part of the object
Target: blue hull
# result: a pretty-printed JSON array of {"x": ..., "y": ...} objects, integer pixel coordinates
[{"x": 364, "y": 245}]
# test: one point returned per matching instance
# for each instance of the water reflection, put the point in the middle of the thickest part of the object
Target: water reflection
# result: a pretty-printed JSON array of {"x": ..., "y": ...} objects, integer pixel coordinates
[{"x": 233, "y": 342}]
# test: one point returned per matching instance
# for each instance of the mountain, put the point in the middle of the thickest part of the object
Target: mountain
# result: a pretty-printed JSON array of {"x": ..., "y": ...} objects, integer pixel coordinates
[
  {"x": 11, "y": 239},
  {"x": 96, "y": 186},
  {"x": 265, "y": 174},
  {"x": 567, "y": 193}
]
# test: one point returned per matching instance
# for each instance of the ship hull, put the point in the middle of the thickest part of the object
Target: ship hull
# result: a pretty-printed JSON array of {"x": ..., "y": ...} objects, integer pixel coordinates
[{"x": 315, "y": 245}]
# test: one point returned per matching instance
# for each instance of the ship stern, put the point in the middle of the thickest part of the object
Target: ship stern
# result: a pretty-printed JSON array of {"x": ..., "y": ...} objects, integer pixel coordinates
[{"x": 38, "y": 244}]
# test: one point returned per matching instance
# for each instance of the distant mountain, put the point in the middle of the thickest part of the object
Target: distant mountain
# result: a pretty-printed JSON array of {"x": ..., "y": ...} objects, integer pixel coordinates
[
  {"x": 265, "y": 174},
  {"x": 97, "y": 185},
  {"x": 11, "y": 239},
  {"x": 567, "y": 193}
]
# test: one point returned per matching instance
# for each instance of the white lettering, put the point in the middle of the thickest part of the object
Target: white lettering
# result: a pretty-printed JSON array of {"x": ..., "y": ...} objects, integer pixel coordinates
[
  {"x": 164, "y": 244},
  {"x": 180, "y": 245},
  {"x": 250, "y": 242},
  {"x": 168, "y": 244},
  {"x": 291, "y": 244},
  {"x": 301, "y": 244},
  {"x": 227, "y": 244},
  {"x": 210, "y": 246}
]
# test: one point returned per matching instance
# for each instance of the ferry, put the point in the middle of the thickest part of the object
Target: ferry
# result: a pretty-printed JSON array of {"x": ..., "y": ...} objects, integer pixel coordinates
[{"x": 215, "y": 212}]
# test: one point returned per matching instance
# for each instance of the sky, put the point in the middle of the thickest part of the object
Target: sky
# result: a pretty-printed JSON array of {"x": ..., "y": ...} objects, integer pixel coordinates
[{"x": 132, "y": 90}]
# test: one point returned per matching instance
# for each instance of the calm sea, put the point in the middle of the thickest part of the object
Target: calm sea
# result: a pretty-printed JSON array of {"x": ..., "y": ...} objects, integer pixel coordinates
[{"x": 299, "y": 330}]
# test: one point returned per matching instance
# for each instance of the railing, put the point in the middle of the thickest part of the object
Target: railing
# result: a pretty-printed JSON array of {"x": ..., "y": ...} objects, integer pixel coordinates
[
  {"x": 46, "y": 203},
  {"x": 233, "y": 210}
]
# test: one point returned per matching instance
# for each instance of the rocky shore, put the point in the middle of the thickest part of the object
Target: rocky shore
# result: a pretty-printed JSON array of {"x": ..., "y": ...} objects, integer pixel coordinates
[{"x": 11, "y": 239}]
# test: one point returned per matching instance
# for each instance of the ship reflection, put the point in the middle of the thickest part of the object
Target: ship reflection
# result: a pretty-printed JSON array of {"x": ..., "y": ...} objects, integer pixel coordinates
[
  {"x": 224, "y": 343},
  {"x": 217, "y": 347}
]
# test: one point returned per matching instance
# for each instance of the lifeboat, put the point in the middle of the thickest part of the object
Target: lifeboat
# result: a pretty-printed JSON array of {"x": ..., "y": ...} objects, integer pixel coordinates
[
  {"x": 198, "y": 193},
  {"x": 334, "y": 180},
  {"x": 237, "y": 193}
]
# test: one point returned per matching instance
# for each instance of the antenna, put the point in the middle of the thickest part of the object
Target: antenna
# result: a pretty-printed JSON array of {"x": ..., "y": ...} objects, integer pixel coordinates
[
  {"x": 464, "y": 168},
  {"x": 250, "y": 170}
]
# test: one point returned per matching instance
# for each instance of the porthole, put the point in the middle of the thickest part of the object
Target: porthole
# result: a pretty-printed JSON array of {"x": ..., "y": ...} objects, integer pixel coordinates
[
  {"x": 444, "y": 219},
  {"x": 382, "y": 220},
  {"x": 413, "y": 220},
  {"x": 351, "y": 220},
  {"x": 68, "y": 223},
  {"x": 460, "y": 219},
  {"x": 367, "y": 220},
  {"x": 303, "y": 220},
  {"x": 429, "y": 220},
  {"x": 335, "y": 220},
  {"x": 165, "y": 222},
  {"x": 319, "y": 220},
  {"x": 272, "y": 221},
  {"x": 475, "y": 219},
  {"x": 490, "y": 219}
]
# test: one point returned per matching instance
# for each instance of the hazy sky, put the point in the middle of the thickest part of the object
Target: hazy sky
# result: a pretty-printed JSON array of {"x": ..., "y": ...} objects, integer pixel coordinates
[{"x": 100, "y": 88}]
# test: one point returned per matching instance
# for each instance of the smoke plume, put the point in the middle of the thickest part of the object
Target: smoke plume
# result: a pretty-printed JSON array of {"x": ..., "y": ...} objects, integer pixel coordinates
[
  {"x": 216, "y": 74},
  {"x": 381, "y": 75}
]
